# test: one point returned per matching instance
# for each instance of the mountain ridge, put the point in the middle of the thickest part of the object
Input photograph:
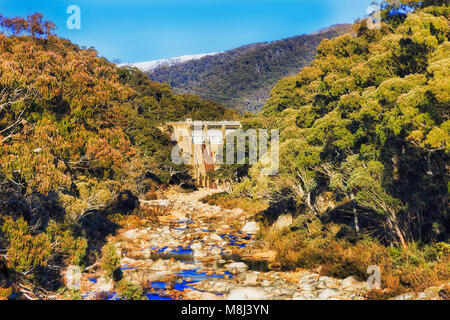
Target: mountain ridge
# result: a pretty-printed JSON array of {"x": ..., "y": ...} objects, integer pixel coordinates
[
  {"x": 242, "y": 78},
  {"x": 147, "y": 66}
]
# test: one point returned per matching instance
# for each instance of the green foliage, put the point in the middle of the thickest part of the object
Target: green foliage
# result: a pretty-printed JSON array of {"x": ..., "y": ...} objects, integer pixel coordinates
[
  {"x": 368, "y": 121},
  {"x": 156, "y": 103},
  {"x": 78, "y": 131},
  {"x": 5, "y": 293},
  {"x": 128, "y": 290},
  {"x": 72, "y": 295},
  {"x": 60, "y": 114},
  {"x": 25, "y": 251},
  {"x": 110, "y": 261},
  {"x": 72, "y": 249}
]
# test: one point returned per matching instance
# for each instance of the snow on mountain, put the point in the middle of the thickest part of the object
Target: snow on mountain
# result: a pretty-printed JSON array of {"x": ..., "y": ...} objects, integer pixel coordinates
[{"x": 151, "y": 65}]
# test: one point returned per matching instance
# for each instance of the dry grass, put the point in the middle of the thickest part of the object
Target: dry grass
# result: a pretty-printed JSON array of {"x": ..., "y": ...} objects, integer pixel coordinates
[
  {"x": 226, "y": 201},
  {"x": 312, "y": 244},
  {"x": 132, "y": 221}
]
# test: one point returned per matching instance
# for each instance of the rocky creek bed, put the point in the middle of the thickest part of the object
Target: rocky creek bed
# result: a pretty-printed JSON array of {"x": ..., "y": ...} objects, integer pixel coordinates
[{"x": 198, "y": 252}]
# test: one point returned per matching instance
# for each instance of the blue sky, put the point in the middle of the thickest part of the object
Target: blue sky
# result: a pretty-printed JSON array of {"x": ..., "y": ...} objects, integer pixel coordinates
[{"x": 140, "y": 30}]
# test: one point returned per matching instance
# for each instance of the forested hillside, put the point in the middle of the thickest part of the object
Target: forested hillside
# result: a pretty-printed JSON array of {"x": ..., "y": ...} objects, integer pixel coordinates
[
  {"x": 364, "y": 155},
  {"x": 242, "y": 78},
  {"x": 78, "y": 143},
  {"x": 364, "y": 151}
]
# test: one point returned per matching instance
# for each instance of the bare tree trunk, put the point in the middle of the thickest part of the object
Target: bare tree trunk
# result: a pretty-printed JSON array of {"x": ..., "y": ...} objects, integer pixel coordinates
[
  {"x": 394, "y": 227},
  {"x": 355, "y": 214},
  {"x": 400, "y": 236},
  {"x": 308, "y": 201}
]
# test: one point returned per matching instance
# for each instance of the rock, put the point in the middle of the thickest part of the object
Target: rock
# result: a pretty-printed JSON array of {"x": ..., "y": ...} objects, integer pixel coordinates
[
  {"x": 199, "y": 253},
  {"x": 104, "y": 285},
  {"x": 137, "y": 255},
  {"x": 250, "y": 227},
  {"x": 282, "y": 222},
  {"x": 247, "y": 293},
  {"x": 196, "y": 246},
  {"x": 432, "y": 292},
  {"x": 278, "y": 292},
  {"x": 221, "y": 286},
  {"x": 265, "y": 283},
  {"x": 128, "y": 261},
  {"x": 147, "y": 252},
  {"x": 260, "y": 255},
  {"x": 216, "y": 251},
  {"x": 328, "y": 293},
  {"x": 178, "y": 215},
  {"x": 318, "y": 269},
  {"x": 304, "y": 296},
  {"x": 306, "y": 287},
  {"x": 251, "y": 278},
  {"x": 132, "y": 234},
  {"x": 237, "y": 211},
  {"x": 72, "y": 277},
  {"x": 160, "y": 265},
  {"x": 350, "y": 283},
  {"x": 421, "y": 296},
  {"x": 326, "y": 282},
  {"x": 405, "y": 296},
  {"x": 236, "y": 267},
  {"x": 227, "y": 251},
  {"x": 214, "y": 237},
  {"x": 210, "y": 296},
  {"x": 299, "y": 298},
  {"x": 145, "y": 278}
]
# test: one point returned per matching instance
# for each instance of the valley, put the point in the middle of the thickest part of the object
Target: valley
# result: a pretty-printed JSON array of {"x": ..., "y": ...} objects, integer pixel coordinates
[{"x": 95, "y": 204}]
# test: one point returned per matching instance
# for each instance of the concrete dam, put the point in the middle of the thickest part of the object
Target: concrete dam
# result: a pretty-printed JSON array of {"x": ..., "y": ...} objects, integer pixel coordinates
[{"x": 201, "y": 141}]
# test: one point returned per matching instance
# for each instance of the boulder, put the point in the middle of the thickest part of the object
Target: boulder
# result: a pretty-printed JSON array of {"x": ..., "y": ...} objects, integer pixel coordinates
[
  {"x": 299, "y": 298},
  {"x": 198, "y": 253},
  {"x": 237, "y": 211},
  {"x": 103, "y": 285},
  {"x": 236, "y": 267},
  {"x": 328, "y": 294},
  {"x": 251, "y": 278},
  {"x": 137, "y": 255},
  {"x": 216, "y": 251},
  {"x": 145, "y": 278},
  {"x": 282, "y": 222},
  {"x": 250, "y": 227},
  {"x": 247, "y": 293},
  {"x": 327, "y": 282},
  {"x": 160, "y": 265},
  {"x": 147, "y": 252},
  {"x": 211, "y": 296},
  {"x": 196, "y": 246},
  {"x": 214, "y": 237},
  {"x": 351, "y": 283},
  {"x": 132, "y": 234}
]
